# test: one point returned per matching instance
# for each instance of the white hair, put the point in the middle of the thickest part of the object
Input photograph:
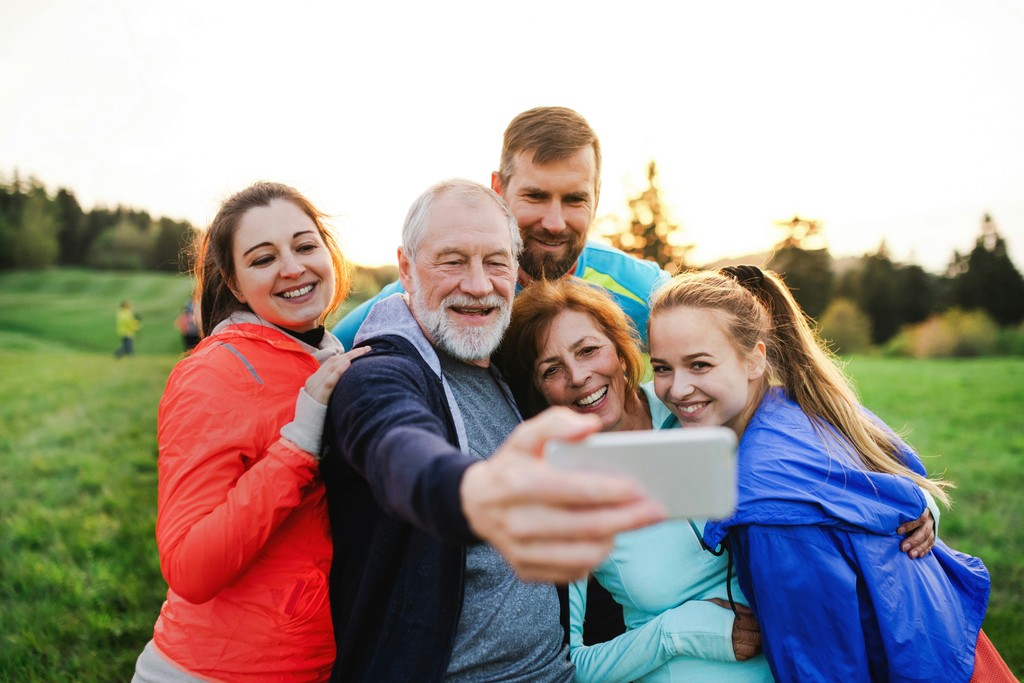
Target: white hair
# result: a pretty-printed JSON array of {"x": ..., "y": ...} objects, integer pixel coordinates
[{"x": 418, "y": 218}]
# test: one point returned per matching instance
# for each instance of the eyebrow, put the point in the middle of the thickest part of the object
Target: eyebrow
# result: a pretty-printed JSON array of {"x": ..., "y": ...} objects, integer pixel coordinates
[
  {"x": 531, "y": 189},
  {"x": 458, "y": 251},
  {"x": 685, "y": 359},
  {"x": 268, "y": 244},
  {"x": 534, "y": 189}
]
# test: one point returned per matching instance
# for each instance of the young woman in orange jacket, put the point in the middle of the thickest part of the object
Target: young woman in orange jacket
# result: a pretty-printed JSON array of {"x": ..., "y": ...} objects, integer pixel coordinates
[{"x": 242, "y": 524}]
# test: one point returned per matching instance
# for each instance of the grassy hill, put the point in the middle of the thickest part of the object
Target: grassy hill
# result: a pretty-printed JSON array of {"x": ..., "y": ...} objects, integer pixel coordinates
[
  {"x": 74, "y": 309},
  {"x": 81, "y": 586}
]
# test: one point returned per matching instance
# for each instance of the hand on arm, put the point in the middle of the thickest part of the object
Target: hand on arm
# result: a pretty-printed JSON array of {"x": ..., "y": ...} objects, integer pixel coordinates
[
  {"x": 920, "y": 535},
  {"x": 746, "y": 634},
  {"x": 307, "y": 427},
  {"x": 550, "y": 525},
  {"x": 321, "y": 383}
]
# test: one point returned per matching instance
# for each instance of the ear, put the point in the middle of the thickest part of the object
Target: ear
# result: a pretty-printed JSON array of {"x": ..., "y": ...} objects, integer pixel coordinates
[
  {"x": 405, "y": 270},
  {"x": 496, "y": 183},
  {"x": 758, "y": 361},
  {"x": 233, "y": 287}
]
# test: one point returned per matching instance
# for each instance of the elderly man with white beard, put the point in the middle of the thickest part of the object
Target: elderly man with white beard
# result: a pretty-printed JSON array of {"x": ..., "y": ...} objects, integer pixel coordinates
[{"x": 448, "y": 527}]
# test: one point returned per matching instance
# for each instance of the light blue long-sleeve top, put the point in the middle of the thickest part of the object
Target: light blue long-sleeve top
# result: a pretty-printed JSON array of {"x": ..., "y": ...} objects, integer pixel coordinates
[{"x": 663, "y": 579}]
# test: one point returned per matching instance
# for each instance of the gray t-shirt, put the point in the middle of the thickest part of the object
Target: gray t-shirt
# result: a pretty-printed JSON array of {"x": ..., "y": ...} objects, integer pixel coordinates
[{"x": 508, "y": 630}]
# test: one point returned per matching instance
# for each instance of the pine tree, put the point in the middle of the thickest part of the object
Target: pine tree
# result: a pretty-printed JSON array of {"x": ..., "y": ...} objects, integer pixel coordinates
[
  {"x": 650, "y": 235},
  {"x": 806, "y": 271},
  {"x": 986, "y": 278}
]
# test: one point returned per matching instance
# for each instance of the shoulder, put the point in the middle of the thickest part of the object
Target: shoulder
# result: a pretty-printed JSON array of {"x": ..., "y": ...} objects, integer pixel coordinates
[
  {"x": 602, "y": 256},
  {"x": 348, "y": 326},
  {"x": 392, "y": 359},
  {"x": 239, "y": 357},
  {"x": 619, "y": 272},
  {"x": 661, "y": 416},
  {"x": 778, "y": 417}
]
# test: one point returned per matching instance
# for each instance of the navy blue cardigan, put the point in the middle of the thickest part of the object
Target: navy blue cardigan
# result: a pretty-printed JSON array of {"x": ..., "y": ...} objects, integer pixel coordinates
[{"x": 392, "y": 472}]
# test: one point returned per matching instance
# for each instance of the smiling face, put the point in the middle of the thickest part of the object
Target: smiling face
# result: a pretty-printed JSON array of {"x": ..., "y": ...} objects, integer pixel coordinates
[
  {"x": 577, "y": 366},
  {"x": 699, "y": 373},
  {"x": 462, "y": 281},
  {"x": 554, "y": 205},
  {"x": 283, "y": 270}
]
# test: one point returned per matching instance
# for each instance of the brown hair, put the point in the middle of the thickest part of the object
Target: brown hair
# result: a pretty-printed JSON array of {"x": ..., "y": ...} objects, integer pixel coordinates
[
  {"x": 532, "y": 313},
  {"x": 552, "y": 133},
  {"x": 214, "y": 266},
  {"x": 758, "y": 306}
]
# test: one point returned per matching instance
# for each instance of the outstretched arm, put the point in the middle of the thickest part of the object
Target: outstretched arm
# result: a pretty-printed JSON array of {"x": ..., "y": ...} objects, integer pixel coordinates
[{"x": 550, "y": 525}]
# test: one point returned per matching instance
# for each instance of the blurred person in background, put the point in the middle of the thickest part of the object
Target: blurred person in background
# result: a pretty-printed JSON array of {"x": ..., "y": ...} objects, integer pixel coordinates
[
  {"x": 127, "y": 323},
  {"x": 187, "y": 324}
]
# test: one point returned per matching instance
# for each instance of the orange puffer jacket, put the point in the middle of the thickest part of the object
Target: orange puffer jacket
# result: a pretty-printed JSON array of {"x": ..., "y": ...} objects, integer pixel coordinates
[{"x": 242, "y": 523}]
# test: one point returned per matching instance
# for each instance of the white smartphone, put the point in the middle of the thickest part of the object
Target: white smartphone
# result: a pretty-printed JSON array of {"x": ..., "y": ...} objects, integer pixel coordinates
[{"x": 691, "y": 471}]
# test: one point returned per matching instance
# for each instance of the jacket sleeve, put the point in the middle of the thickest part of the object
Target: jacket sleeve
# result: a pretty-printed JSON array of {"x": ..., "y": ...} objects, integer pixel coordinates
[
  {"x": 389, "y": 423},
  {"x": 803, "y": 589},
  {"x": 696, "y": 628},
  {"x": 227, "y": 480}
]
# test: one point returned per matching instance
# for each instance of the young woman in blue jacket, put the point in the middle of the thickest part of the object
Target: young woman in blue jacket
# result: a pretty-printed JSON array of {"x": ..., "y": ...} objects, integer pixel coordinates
[{"x": 823, "y": 486}]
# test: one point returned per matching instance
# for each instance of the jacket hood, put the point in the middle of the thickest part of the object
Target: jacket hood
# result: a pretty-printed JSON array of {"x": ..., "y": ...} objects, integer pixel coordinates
[{"x": 391, "y": 316}]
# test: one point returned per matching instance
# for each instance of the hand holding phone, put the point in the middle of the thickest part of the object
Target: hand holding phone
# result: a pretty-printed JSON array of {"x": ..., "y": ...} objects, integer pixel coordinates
[{"x": 691, "y": 471}]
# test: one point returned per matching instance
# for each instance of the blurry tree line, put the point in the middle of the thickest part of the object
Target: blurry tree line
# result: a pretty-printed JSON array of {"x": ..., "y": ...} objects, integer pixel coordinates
[
  {"x": 870, "y": 301},
  {"x": 858, "y": 303},
  {"x": 38, "y": 230}
]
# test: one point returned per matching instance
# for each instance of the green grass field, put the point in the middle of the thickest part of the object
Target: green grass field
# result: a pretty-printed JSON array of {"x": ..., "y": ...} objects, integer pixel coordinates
[{"x": 80, "y": 585}]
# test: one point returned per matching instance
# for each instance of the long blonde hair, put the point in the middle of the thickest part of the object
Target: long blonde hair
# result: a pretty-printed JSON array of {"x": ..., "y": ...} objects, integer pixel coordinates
[{"x": 758, "y": 306}]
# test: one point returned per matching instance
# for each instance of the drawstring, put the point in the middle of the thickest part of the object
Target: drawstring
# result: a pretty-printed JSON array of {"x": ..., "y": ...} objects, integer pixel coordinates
[{"x": 724, "y": 548}]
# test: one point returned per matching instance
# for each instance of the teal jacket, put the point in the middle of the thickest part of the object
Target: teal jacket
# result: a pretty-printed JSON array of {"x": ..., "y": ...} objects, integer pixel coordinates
[{"x": 629, "y": 280}]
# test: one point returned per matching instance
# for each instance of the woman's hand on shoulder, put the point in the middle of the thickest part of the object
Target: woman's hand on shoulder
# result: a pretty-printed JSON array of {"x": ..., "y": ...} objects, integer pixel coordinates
[{"x": 321, "y": 383}]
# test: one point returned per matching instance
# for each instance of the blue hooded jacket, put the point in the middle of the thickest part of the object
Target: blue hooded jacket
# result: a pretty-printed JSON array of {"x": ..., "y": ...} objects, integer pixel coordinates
[{"x": 814, "y": 539}]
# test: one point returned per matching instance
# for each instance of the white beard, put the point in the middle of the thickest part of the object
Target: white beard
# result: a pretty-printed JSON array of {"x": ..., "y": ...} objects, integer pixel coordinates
[{"x": 468, "y": 344}]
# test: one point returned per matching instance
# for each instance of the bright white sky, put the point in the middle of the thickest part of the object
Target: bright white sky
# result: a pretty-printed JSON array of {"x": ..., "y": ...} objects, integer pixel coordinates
[{"x": 894, "y": 119}]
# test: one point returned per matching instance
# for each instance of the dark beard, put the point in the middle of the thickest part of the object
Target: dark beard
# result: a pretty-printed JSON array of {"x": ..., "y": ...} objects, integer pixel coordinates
[{"x": 548, "y": 267}]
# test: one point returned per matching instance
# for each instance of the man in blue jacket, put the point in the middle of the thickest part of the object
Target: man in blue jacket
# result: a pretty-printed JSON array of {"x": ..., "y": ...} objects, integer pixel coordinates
[
  {"x": 550, "y": 176},
  {"x": 447, "y": 527}
]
